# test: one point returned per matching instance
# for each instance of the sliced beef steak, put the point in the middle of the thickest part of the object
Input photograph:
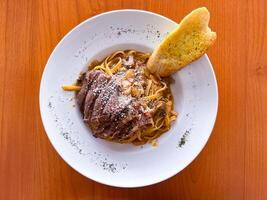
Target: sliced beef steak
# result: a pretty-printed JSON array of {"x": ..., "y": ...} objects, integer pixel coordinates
[{"x": 108, "y": 112}]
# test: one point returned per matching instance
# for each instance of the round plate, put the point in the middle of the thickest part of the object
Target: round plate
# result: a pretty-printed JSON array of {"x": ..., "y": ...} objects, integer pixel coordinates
[{"x": 125, "y": 165}]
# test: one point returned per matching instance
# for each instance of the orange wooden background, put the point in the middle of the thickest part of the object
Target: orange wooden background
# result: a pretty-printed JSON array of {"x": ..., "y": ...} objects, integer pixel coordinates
[{"x": 233, "y": 165}]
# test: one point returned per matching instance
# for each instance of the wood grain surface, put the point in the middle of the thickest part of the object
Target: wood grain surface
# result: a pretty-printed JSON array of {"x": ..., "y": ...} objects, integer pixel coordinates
[{"x": 233, "y": 165}]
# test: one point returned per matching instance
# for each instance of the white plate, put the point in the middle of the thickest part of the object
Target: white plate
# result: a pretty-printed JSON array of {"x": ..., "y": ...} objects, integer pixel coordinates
[{"x": 195, "y": 95}]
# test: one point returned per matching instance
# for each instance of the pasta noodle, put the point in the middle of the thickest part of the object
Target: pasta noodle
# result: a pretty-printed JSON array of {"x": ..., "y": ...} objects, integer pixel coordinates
[{"x": 71, "y": 87}]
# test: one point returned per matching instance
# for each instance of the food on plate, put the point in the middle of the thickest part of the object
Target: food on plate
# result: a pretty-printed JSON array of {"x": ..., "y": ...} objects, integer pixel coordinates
[
  {"x": 126, "y": 98},
  {"x": 122, "y": 101}
]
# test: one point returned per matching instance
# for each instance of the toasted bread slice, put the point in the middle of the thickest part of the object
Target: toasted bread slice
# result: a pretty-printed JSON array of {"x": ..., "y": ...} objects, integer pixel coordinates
[{"x": 189, "y": 41}]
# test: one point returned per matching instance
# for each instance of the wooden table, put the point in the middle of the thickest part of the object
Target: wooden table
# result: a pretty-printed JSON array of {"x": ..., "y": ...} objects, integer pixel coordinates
[{"x": 233, "y": 164}]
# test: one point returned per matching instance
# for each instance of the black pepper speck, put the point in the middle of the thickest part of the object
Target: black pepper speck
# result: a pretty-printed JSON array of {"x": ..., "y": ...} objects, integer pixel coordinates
[{"x": 184, "y": 138}]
